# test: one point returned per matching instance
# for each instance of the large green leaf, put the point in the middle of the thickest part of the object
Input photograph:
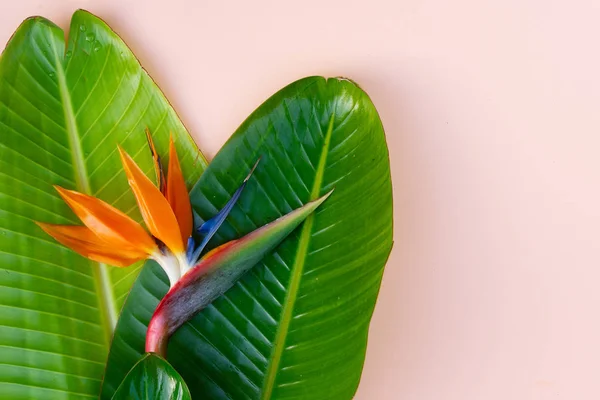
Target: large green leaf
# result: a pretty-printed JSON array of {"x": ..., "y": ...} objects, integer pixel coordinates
[
  {"x": 295, "y": 326},
  {"x": 62, "y": 113}
]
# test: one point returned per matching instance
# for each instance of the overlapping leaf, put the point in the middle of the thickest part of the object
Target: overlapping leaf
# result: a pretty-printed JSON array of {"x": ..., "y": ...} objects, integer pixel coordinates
[
  {"x": 152, "y": 378},
  {"x": 64, "y": 108},
  {"x": 295, "y": 326}
]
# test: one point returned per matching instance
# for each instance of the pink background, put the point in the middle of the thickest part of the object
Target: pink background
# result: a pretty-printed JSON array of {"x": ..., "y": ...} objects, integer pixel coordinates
[{"x": 492, "y": 113}]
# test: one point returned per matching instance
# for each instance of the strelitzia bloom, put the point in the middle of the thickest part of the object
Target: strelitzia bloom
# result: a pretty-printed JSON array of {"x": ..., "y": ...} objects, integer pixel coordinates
[{"x": 109, "y": 236}]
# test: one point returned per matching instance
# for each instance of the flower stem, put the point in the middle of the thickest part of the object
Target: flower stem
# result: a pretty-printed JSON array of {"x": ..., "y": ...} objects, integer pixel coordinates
[{"x": 157, "y": 338}]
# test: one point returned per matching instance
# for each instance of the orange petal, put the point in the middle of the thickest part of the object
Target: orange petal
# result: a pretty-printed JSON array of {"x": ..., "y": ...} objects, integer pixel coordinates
[
  {"x": 177, "y": 194},
  {"x": 109, "y": 224},
  {"x": 155, "y": 209},
  {"x": 83, "y": 241},
  {"x": 160, "y": 176}
]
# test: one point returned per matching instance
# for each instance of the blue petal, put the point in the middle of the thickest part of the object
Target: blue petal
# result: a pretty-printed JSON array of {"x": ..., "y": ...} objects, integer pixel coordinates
[
  {"x": 189, "y": 252},
  {"x": 210, "y": 227}
]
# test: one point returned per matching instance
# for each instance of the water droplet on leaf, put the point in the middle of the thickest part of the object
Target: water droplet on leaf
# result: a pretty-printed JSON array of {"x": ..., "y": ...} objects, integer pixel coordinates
[
  {"x": 51, "y": 74},
  {"x": 89, "y": 37},
  {"x": 68, "y": 54},
  {"x": 82, "y": 28},
  {"x": 97, "y": 45}
]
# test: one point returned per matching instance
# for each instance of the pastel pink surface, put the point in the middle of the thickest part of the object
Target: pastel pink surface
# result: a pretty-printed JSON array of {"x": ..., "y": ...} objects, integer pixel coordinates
[{"x": 491, "y": 115}]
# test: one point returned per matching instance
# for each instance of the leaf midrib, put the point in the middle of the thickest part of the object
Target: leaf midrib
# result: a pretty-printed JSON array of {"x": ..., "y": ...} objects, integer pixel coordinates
[
  {"x": 296, "y": 274},
  {"x": 106, "y": 303}
]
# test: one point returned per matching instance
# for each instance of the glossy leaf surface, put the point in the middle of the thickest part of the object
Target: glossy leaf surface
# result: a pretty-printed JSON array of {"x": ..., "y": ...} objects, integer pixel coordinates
[
  {"x": 152, "y": 378},
  {"x": 64, "y": 108},
  {"x": 295, "y": 326}
]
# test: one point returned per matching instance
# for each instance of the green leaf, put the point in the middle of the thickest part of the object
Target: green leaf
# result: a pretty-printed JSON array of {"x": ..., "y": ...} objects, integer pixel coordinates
[
  {"x": 217, "y": 272},
  {"x": 62, "y": 113},
  {"x": 295, "y": 326},
  {"x": 152, "y": 378}
]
